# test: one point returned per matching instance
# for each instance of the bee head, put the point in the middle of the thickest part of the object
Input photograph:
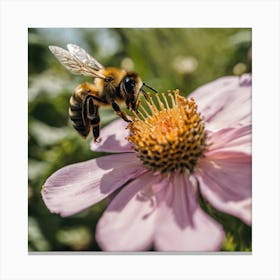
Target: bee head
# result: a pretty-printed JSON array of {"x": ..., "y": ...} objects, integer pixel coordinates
[
  {"x": 130, "y": 88},
  {"x": 132, "y": 85}
]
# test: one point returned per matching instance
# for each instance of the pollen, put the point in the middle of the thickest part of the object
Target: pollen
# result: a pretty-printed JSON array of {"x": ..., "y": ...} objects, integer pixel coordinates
[{"x": 168, "y": 133}]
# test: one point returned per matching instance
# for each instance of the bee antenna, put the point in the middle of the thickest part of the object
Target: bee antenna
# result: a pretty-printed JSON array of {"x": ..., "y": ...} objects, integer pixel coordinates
[{"x": 150, "y": 87}]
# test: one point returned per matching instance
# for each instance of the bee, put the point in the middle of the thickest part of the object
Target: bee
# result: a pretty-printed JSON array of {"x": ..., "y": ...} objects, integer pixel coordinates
[{"x": 110, "y": 86}]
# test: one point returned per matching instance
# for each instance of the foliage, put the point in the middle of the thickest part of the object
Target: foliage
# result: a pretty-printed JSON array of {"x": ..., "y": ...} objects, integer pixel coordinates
[{"x": 165, "y": 58}]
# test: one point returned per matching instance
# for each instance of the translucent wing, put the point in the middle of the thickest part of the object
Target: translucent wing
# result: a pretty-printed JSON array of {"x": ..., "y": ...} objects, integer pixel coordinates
[
  {"x": 73, "y": 63},
  {"x": 83, "y": 56}
]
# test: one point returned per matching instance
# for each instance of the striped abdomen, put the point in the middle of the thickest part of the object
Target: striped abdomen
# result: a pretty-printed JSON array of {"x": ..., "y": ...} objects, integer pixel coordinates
[{"x": 77, "y": 113}]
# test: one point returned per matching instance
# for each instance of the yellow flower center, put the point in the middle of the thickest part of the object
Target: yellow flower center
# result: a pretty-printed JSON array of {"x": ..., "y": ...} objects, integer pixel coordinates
[{"x": 169, "y": 135}]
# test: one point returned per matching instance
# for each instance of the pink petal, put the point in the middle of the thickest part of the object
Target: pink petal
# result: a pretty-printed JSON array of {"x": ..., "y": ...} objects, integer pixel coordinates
[
  {"x": 128, "y": 222},
  {"x": 113, "y": 138},
  {"x": 238, "y": 139},
  {"x": 225, "y": 102},
  {"x": 225, "y": 180},
  {"x": 78, "y": 186},
  {"x": 181, "y": 223}
]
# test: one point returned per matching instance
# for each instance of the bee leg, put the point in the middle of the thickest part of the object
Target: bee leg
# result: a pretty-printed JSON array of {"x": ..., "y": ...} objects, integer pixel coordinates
[
  {"x": 93, "y": 116},
  {"x": 95, "y": 128},
  {"x": 118, "y": 111},
  {"x": 137, "y": 105},
  {"x": 127, "y": 103}
]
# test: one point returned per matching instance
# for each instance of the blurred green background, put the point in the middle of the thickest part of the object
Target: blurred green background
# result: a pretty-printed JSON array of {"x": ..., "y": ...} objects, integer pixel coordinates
[{"x": 165, "y": 58}]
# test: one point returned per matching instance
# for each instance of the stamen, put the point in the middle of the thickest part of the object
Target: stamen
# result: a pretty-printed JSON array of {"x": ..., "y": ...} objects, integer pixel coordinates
[
  {"x": 140, "y": 113},
  {"x": 172, "y": 99},
  {"x": 145, "y": 112},
  {"x": 161, "y": 105},
  {"x": 151, "y": 106},
  {"x": 165, "y": 101}
]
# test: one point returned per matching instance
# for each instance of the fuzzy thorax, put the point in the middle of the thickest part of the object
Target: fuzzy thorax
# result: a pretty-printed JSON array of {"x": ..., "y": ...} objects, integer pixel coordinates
[{"x": 168, "y": 134}]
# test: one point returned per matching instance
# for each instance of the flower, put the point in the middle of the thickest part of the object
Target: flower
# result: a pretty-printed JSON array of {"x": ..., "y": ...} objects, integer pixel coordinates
[{"x": 170, "y": 154}]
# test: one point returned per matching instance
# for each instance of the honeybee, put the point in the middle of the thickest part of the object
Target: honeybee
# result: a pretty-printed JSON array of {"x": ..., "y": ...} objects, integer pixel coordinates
[{"x": 110, "y": 86}]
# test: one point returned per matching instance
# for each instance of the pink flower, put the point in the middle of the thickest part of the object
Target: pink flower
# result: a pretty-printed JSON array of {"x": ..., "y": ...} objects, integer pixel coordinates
[{"x": 171, "y": 155}]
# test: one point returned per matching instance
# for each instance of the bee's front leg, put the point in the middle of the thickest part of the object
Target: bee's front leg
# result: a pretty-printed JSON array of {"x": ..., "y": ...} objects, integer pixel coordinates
[
  {"x": 119, "y": 112},
  {"x": 138, "y": 102}
]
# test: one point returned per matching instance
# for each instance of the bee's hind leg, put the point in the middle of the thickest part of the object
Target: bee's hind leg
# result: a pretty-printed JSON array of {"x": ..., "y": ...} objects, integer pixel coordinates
[
  {"x": 95, "y": 132},
  {"x": 95, "y": 125},
  {"x": 93, "y": 116},
  {"x": 119, "y": 112}
]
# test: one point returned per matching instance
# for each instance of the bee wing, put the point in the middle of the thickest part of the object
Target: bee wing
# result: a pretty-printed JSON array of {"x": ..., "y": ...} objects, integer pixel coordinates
[
  {"x": 73, "y": 63},
  {"x": 83, "y": 56}
]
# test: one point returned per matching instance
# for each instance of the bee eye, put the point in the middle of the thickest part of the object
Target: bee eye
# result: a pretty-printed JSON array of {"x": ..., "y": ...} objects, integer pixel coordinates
[{"x": 129, "y": 84}]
